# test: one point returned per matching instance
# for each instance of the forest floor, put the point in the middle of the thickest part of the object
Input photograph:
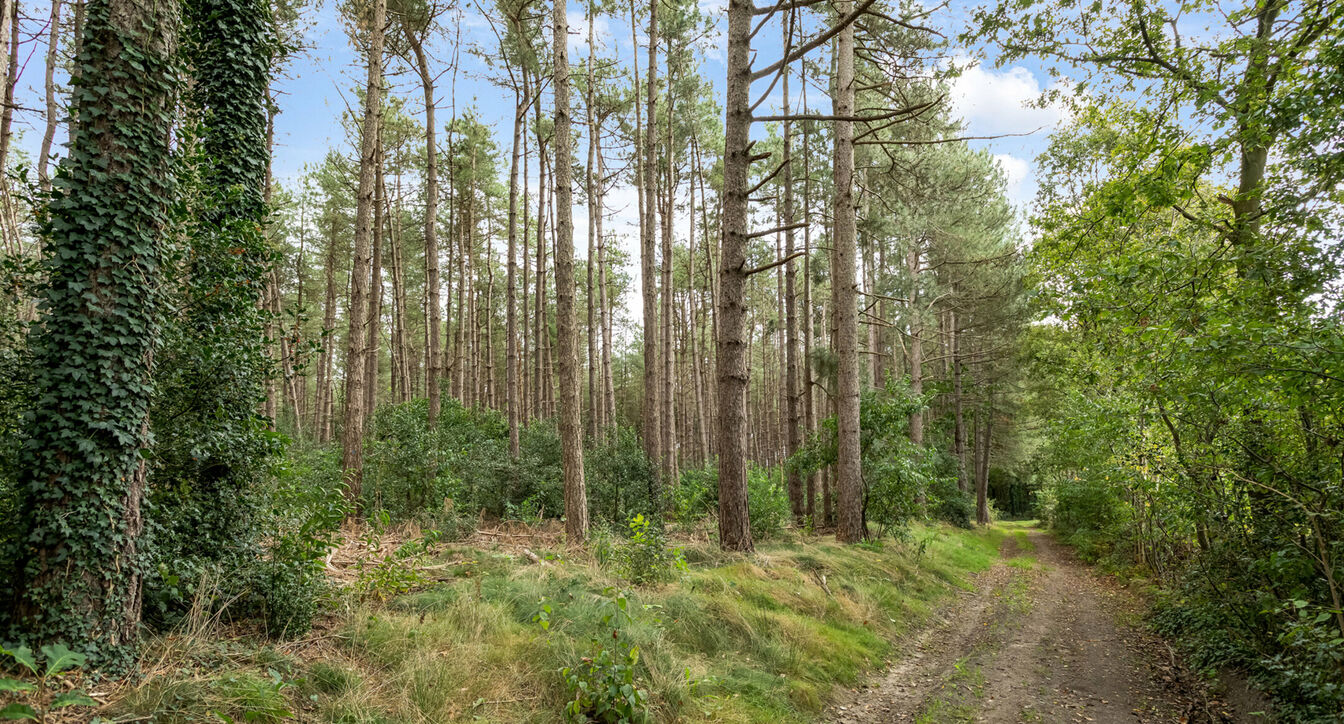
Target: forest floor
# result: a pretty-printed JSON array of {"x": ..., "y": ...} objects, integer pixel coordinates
[{"x": 1041, "y": 638}]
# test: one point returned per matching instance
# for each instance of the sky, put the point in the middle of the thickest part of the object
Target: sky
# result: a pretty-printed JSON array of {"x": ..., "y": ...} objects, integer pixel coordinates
[
  {"x": 320, "y": 82},
  {"x": 318, "y": 86}
]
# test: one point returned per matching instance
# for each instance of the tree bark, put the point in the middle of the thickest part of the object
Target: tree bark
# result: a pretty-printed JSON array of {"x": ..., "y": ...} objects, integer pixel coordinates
[
  {"x": 594, "y": 210},
  {"x": 11, "y": 83},
  {"x": 809, "y": 402},
  {"x": 849, "y": 472},
  {"x": 53, "y": 107},
  {"x": 511, "y": 285},
  {"x": 648, "y": 174},
  {"x": 570, "y": 406},
  {"x": 797, "y": 503},
  {"x": 982, "y": 467},
  {"x": 668, "y": 416},
  {"x": 734, "y": 528},
  {"x": 372, "y": 357},
  {"x": 434, "y": 353},
  {"x": 352, "y": 437},
  {"x": 916, "y": 361},
  {"x": 958, "y": 415}
]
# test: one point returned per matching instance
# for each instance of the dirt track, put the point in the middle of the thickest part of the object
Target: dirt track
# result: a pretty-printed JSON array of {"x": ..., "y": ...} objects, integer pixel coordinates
[{"x": 1041, "y": 639}]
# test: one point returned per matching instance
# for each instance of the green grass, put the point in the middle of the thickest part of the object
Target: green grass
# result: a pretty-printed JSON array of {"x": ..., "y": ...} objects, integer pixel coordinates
[{"x": 736, "y": 639}]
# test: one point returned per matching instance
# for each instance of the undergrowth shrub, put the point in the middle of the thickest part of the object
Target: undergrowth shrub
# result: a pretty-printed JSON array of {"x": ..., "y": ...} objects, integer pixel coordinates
[
  {"x": 307, "y": 506},
  {"x": 646, "y": 557},
  {"x": 279, "y": 579},
  {"x": 697, "y": 495},
  {"x": 602, "y": 686},
  {"x": 382, "y": 572},
  {"x": 620, "y": 476},
  {"x": 767, "y": 502},
  {"x": 443, "y": 476}
]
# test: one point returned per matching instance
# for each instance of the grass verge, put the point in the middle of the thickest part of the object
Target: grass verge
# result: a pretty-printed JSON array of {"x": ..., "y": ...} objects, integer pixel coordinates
[{"x": 763, "y": 638}]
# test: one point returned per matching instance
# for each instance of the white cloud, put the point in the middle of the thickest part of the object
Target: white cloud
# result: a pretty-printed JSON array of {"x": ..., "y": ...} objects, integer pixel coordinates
[
  {"x": 996, "y": 102},
  {"x": 1020, "y": 178}
]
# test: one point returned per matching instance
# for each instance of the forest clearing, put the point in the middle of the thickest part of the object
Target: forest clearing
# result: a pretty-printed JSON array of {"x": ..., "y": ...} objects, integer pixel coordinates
[{"x": 382, "y": 361}]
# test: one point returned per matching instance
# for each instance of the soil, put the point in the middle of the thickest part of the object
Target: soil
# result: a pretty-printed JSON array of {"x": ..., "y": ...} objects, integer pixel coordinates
[{"x": 1040, "y": 639}]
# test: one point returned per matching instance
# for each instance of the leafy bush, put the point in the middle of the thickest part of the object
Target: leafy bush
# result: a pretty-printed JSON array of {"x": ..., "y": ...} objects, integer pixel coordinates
[
  {"x": 280, "y": 580},
  {"x": 459, "y": 467},
  {"x": 602, "y": 685},
  {"x": 620, "y": 476},
  {"x": 767, "y": 502},
  {"x": 645, "y": 557},
  {"x": 404, "y": 465},
  {"x": 697, "y": 495},
  {"x": 949, "y": 503},
  {"x": 306, "y": 507}
]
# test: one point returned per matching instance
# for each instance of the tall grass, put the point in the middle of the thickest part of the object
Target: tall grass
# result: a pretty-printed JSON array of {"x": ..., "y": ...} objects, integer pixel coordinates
[{"x": 764, "y": 638}]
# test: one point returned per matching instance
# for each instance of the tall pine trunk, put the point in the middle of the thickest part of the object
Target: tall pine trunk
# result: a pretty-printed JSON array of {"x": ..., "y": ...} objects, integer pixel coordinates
[
  {"x": 570, "y": 406},
  {"x": 352, "y": 435},
  {"x": 511, "y": 277},
  {"x": 731, "y": 347},
  {"x": 434, "y": 352},
  {"x": 849, "y": 472},
  {"x": 648, "y": 175}
]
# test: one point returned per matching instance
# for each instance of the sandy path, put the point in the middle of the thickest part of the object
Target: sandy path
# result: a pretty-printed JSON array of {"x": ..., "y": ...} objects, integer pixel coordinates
[{"x": 1038, "y": 641}]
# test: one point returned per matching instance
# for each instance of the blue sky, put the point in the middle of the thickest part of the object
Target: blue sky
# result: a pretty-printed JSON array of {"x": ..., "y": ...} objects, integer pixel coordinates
[{"x": 993, "y": 101}]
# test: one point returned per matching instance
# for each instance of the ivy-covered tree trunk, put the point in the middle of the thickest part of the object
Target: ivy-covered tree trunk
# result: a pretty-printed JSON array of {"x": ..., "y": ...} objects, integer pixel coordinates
[
  {"x": 211, "y": 444},
  {"x": 84, "y": 468}
]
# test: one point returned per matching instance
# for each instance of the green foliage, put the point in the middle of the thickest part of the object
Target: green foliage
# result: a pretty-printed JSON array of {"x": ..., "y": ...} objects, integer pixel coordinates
[
  {"x": 383, "y": 573},
  {"x": 444, "y": 475},
  {"x": 768, "y": 502},
  {"x": 57, "y": 661},
  {"x": 697, "y": 493},
  {"x": 1189, "y": 266},
  {"x": 281, "y": 581},
  {"x": 645, "y": 556},
  {"x": 619, "y": 475},
  {"x": 307, "y": 505},
  {"x": 902, "y": 481},
  {"x": 18, "y": 275},
  {"x": 459, "y": 467},
  {"x": 602, "y": 686},
  {"x": 104, "y": 256},
  {"x": 213, "y": 450}
]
